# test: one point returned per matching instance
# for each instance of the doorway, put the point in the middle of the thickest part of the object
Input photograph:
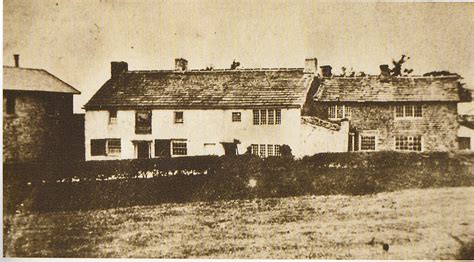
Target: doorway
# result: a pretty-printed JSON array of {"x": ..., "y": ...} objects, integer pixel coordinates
[{"x": 143, "y": 149}]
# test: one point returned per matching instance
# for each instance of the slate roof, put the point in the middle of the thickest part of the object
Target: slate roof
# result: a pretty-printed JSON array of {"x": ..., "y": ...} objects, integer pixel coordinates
[
  {"x": 201, "y": 89},
  {"x": 390, "y": 89},
  {"x": 28, "y": 79},
  {"x": 316, "y": 121}
]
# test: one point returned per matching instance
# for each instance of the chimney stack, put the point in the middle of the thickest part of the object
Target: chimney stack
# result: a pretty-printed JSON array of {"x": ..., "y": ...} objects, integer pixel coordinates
[
  {"x": 310, "y": 65},
  {"x": 384, "y": 70},
  {"x": 17, "y": 60},
  {"x": 118, "y": 68},
  {"x": 326, "y": 71},
  {"x": 180, "y": 64}
]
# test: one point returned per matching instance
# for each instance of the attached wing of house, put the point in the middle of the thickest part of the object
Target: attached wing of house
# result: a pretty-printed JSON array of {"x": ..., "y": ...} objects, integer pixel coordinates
[{"x": 394, "y": 113}]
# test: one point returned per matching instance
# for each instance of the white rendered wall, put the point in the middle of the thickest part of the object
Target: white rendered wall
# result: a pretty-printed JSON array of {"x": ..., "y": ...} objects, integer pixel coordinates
[{"x": 201, "y": 129}]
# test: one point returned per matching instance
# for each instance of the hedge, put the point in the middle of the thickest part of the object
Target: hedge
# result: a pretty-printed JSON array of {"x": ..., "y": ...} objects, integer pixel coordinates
[{"x": 103, "y": 184}]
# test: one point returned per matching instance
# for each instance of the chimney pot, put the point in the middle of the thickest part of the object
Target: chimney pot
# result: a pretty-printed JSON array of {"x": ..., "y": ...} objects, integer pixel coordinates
[
  {"x": 310, "y": 65},
  {"x": 384, "y": 70},
  {"x": 180, "y": 64},
  {"x": 118, "y": 68},
  {"x": 17, "y": 60},
  {"x": 326, "y": 71}
]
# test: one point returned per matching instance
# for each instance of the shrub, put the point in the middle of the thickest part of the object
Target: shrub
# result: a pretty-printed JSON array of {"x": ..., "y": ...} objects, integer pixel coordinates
[{"x": 99, "y": 184}]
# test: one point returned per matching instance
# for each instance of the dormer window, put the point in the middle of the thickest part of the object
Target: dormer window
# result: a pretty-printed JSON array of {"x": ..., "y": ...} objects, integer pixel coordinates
[{"x": 112, "y": 116}]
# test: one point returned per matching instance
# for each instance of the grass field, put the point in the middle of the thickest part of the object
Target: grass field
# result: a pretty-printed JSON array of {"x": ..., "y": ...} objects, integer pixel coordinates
[{"x": 416, "y": 224}]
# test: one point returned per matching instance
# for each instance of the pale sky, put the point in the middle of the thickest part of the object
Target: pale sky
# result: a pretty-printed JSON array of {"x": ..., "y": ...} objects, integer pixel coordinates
[{"x": 76, "y": 40}]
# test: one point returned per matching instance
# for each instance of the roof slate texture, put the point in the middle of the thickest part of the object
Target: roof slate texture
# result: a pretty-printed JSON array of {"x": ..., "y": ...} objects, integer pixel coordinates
[
  {"x": 388, "y": 89},
  {"x": 204, "y": 89},
  {"x": 28, "y": 79}
]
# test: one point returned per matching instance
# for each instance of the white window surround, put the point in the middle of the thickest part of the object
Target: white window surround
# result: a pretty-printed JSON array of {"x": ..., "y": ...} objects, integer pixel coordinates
[
  {"x": 408, "y": 112},
  {"x": 337, "y": 112},
  {"x": 179, "y": 147}
]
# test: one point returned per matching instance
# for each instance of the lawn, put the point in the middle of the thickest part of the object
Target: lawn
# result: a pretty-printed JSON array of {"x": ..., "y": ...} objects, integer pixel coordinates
[{"x": 416, "y": 224}]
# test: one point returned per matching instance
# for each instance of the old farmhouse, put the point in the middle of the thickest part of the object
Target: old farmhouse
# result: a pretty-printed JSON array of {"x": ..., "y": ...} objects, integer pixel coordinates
[
  {"x": 392, "y": 113},
  {"x": 37, "y": 114},
  {"x": 145, "y": 114}
]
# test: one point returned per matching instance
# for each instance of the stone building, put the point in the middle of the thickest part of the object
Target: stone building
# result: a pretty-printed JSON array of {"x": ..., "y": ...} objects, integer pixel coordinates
[
  {"x": 37, "y": 113},
  {"x": 160, "y": 113},
  {"x": 392, "y": 113}
]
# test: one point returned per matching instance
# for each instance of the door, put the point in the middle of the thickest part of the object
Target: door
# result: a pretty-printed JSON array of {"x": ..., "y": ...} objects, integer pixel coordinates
[{"x": 143, "y": 149}]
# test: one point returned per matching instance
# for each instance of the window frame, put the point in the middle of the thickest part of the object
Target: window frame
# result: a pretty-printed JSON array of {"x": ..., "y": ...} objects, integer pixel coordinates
[
  {"x": 236, "y": 117},
  {"x": 256, "y": 117},
  {"x": 411, "y": 148},
  {"x": 142, "y": 130},
  {"x": 108, "y": 147},
  {"x": 334, "y": 110},
  {"x": 364, "y": 135},
  {"x": 113, "y": 116},
  {"x": 174, "y": 142},
  {"x": 416, "y": 112},
  {"x": 178, "y": 120}
]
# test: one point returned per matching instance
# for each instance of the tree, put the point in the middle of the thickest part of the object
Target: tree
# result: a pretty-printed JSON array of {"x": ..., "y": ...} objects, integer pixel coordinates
[
  {"x": 234, "y": 65},
  {"x": 397, "y": 66}
]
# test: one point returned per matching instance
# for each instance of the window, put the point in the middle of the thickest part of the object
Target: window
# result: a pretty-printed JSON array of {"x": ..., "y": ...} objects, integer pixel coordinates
[
  {"x": 162, "y": 147},
  {"x": 236, "y": 117},
  {"x": 270, "y": 150},
  {"x": 263, "y": 117},
  {"x": 408, "y": 143},
  {"x": 339, "y": 112},
  {"x": 271, "y": 117},
  {"x": 254, "y": 149},
  {"x": 179, "y": 147},
  {"x": 264, "y": 150},
  {"x": 256, "y": 117},
  {"x": 464, "y": 143},
  {"x": 11, "y": 101},
  {"x": 178, "y": 117},
  {"x": 277, "y": 117},
  {"x": 98, "y": 147},
  {"x": 267, "y": 117},
  {"x": 143, "y": 122},
  {"x": 367, "y": 142},
  {"x": 112, "y": 116},
  {"x": 277, "y": 150},
  {"x": 113, "y": 147},
  {"x": 408, "y": 111},
  {"x": 105, "y": 147}
]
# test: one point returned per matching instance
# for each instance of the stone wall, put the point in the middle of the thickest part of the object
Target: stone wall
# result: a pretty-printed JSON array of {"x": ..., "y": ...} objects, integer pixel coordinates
[
  {"x": 438, "y": 126},
  {"x": 39, "y": 128}
]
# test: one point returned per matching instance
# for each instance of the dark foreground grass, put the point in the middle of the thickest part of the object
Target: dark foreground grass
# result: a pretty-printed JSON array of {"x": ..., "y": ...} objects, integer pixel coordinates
[{"x": 413, "y": 224}]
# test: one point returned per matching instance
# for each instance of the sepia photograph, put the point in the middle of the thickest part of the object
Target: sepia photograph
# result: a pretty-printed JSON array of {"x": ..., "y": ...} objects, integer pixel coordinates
[{"x": 238, "y": 129}]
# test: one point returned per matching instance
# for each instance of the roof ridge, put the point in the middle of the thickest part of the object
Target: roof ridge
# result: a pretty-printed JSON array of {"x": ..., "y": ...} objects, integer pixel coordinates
[
  {"x": 283, "y": 69},
  {"x": 396, "y": 77}
]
